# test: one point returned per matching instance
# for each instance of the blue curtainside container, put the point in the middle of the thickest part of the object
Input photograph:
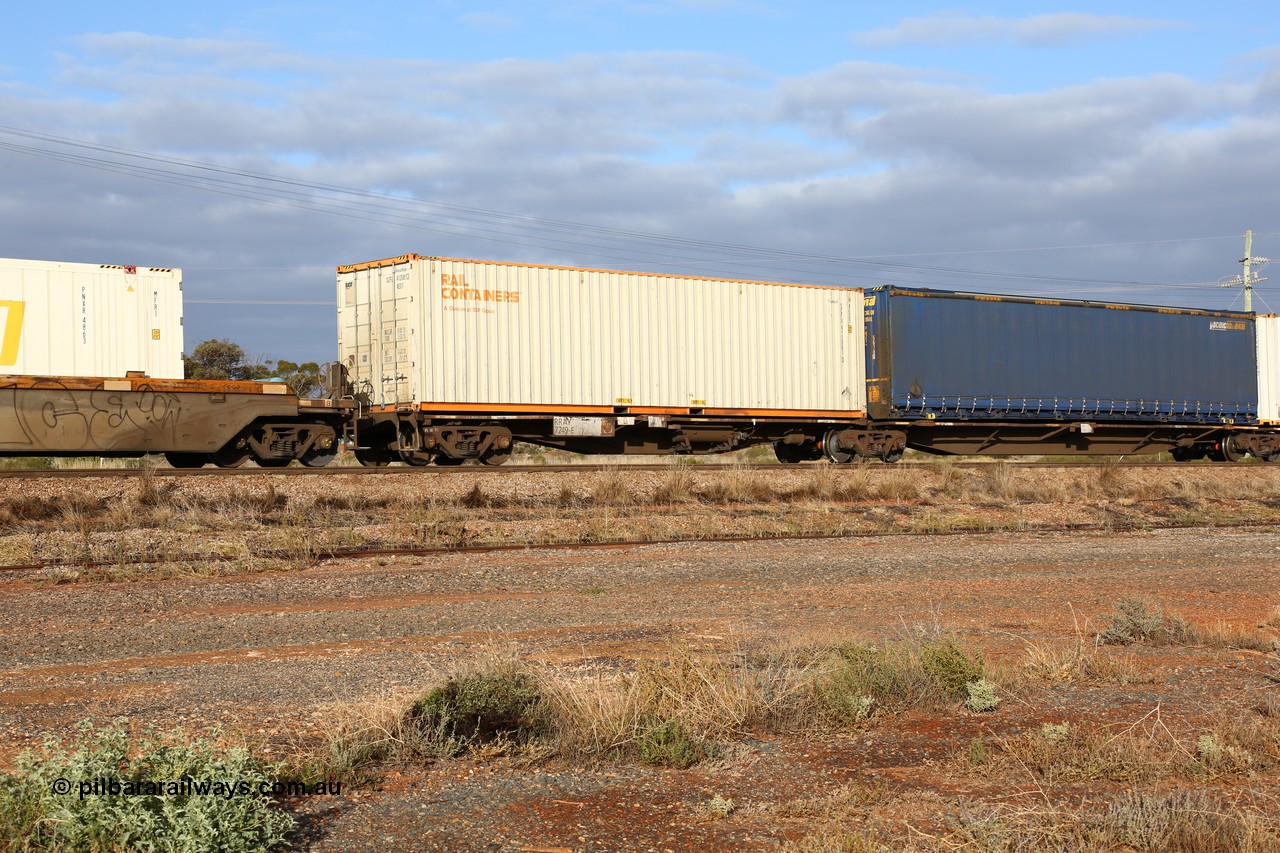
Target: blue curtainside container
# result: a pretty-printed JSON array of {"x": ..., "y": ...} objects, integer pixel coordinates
[{"x": 940, "y": 354}]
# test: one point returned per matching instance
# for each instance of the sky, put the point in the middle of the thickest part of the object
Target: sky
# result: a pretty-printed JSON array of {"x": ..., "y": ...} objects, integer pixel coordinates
[{"x": 1093, "y": 150}]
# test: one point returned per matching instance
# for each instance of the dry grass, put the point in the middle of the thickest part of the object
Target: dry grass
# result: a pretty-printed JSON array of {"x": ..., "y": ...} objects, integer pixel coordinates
[
  {"x": 677, "y": 487},
  {"x": 690, "y": 501},
  {"x": 1145, "y": 750},
  {"x": 1140, "y": 622},
  {"x": 1135, "y": 821},
  {"x": 1070, "y": 752},
  {"x": 1078, "y": 662},
  {"x": 677, "y": 709},
  {"x": 612, "y": 489},
  {"x": 709, "y": 698},
  {"x": 689, "y": 705}
]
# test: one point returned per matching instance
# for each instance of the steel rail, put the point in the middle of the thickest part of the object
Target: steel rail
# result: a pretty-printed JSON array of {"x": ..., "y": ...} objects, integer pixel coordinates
[{"x": 586, "y": 468}]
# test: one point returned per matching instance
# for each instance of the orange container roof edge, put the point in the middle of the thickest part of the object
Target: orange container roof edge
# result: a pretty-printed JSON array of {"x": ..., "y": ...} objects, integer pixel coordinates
[{"x": 404, "y": 259}]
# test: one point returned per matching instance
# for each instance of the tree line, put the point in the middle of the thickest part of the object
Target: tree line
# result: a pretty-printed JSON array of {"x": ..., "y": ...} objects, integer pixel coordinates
[{"x": 222, "y": 359}]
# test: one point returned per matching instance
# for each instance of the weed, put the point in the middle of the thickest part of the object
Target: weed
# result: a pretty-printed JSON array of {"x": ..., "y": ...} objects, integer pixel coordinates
[
  {"x": 708, "y": 698},
  {"x": 676, "y": 487},
  {"x": 32, "y": 508},
  {"x": 1080, "y": 662},
  {"x": 350, "y": 502},
  {"x": 1238, "y": 746},
  {"x": 1138, "y": 622},
  {"x": 1139, "y": 821},
  {"x": 982, "y": 696},
  {"x": 162, "y": 789},
  {"x": 566, "y": 498},
  {"x": 1061, "y": 752},
  {"x": 474, "y": 499},
  {"x": 720, "y": 806},
  {"x": 1223, "y": 635},
  {"x": 839, "y": 841},
  {"x": 359, "y": 734},
  {"x": 479, "y": 708},
  {"x": 34, "y": 463},
  {"x": 611, "y": 489},
  {"x": 952, "y": 479},
  {"x": 859, "y": 679},
  {"x": 950, "y": 667},
  {"x": 1184, "y": 821},
  {"x": 999, "y": 477},
  {"x": 666, "y": 743},
  {"x": 977, "y": 753}
]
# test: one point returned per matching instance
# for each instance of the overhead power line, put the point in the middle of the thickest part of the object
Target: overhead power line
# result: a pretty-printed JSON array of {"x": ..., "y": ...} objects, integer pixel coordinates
[{"x": 582, "y": 239}]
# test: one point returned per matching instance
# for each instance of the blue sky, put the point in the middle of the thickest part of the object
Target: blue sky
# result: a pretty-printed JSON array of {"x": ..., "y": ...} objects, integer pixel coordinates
[{"x": 1086, "y": 150}]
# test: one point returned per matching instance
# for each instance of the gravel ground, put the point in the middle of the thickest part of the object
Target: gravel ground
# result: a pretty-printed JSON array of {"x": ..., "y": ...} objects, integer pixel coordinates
[{"x": 270, "y": 655}]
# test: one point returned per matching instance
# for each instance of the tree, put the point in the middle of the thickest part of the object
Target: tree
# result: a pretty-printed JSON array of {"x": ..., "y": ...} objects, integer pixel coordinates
[
  {"x": 222, "y": 359},
  {"x": 306, "y": 379},
  {"x": 219, "y": 359}
]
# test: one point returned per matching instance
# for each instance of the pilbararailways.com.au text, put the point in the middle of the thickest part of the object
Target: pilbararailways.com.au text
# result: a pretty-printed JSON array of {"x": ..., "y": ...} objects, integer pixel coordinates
[{"x": 106, "y": 786}]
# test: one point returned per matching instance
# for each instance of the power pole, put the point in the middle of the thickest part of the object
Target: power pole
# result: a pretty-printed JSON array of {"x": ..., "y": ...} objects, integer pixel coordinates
[{"x": 1250, "y": 278}]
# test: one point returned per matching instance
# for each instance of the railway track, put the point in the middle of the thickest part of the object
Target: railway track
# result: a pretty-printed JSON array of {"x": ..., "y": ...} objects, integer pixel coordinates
[
  {"x": 472, "y": 470},
  {"x": 322, "y": 555}
]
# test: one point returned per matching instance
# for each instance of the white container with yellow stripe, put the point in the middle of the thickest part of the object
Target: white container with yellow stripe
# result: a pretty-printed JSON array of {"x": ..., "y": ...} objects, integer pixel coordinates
[{"x": 69, "y": 319}]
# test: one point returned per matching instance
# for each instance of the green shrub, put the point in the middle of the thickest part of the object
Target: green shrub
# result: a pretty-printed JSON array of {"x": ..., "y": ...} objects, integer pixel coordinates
[
  {"x": 858, "y": 679},
  {"x": 477, "y": 708},
  {"x": 666, "y": 743},
  {"x": 161, "y": 792},
  {"x": 949, "y": 667}
]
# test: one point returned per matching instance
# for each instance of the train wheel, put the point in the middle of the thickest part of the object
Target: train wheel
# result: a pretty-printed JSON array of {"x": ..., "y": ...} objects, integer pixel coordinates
[
  {"x": 496, "y": 457},
  {"x": 415, "y": 458},
  {"x": 187, "y": 460},
  {"x": 230, "y": 457},
  {"x": 1183, "y": 454},
  {"x": 892, "y": 456},
  {"x": 788, "y": 454},
  {"x": 373, "y": 457},
  {"x": 319, "y": 458},
  {"x": 831, "y": 448},
  {"x": 449, "y": 461},
  {"x": 1227, "y": 451},
  {"x": 272, "y": 463}
]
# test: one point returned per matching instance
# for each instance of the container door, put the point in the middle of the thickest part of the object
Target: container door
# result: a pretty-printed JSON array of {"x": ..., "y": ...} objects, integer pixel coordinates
[
  {"x": 393, "y": 333},
  {"x": 363, "y": 361}
]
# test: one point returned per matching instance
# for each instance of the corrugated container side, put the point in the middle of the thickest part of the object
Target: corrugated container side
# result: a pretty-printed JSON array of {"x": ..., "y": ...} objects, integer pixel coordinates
[
  {"x": 477, "y": 333},
  {"x": 936, "y": 353},
  {"x": 64, "y": 319},
  {"x": 1269, "y": 369}
]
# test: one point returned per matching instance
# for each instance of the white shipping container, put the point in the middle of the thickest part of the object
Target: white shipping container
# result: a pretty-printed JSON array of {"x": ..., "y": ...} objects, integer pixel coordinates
[
  {"x": 484, "y": 334},
  {"x": 1268, "y": 328},
  {"x": 63, "y": 319}
]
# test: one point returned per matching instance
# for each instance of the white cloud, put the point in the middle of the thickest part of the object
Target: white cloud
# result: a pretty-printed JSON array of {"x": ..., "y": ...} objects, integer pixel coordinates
[
  {"x": 856, "y": 159},
  {"x": 1047, "y": 30}
]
